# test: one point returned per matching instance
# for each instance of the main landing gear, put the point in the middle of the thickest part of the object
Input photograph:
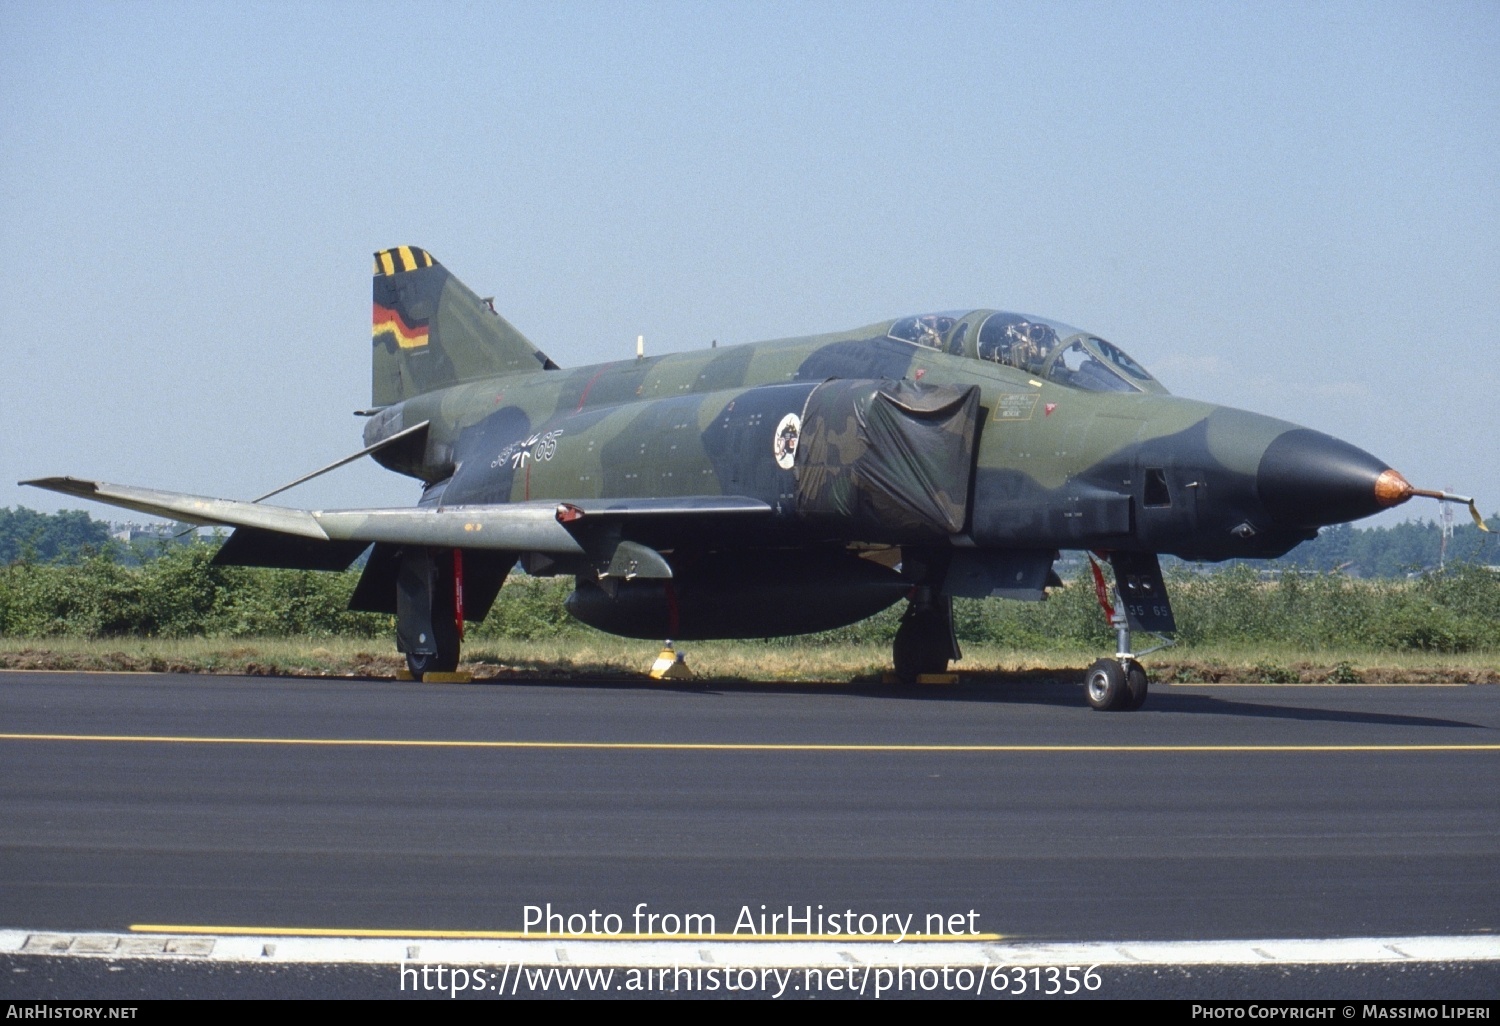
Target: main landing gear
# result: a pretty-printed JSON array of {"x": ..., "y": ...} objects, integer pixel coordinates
[
  {"x": 429, "y": 609},
  {"x": 1120, "y": 684},
  {"x": 925, "y": 641}
]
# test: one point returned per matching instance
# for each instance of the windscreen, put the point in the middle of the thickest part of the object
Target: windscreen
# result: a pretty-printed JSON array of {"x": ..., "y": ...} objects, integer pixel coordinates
[
  {"x": 1060, "y": 353},
  {"x": 1038, "y": 346}
]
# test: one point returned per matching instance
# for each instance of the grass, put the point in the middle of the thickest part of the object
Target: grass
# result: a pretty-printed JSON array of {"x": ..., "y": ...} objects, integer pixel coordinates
[{"x": 600, "y": 655}]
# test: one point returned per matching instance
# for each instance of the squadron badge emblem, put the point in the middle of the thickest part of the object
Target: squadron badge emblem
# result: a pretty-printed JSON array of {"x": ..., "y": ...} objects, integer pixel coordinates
[{"x": 784, "y": 444}]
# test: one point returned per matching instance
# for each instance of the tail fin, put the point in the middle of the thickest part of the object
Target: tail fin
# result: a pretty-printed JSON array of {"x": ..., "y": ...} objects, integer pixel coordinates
[{"x": 430, "y": 331}]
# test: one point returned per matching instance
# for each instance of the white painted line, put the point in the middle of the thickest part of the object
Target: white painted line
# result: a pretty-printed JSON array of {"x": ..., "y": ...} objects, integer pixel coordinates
[
  {"x": 748, "y": 954},
  {"x": 1312, "y": 684}
]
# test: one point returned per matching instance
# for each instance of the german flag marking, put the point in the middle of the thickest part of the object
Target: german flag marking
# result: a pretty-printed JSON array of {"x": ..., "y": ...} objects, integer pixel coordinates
[{"x": 407, "y": 336}]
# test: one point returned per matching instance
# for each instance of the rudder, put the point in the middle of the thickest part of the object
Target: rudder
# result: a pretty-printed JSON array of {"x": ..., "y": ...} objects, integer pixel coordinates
[{"x": 430, "y": 331}]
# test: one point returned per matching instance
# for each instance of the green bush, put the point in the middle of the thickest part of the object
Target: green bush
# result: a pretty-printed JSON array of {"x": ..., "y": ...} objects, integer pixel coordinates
[
  {"x": 181, "y": 594},
  {"x": 529, "y": 609}
]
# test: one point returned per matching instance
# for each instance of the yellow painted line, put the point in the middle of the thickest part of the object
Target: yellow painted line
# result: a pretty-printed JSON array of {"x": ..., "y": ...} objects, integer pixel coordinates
[
  {"x": 82, "y": 673},
  {"x": 695, "y": 746},
  {"x": 316, "y": 931}
]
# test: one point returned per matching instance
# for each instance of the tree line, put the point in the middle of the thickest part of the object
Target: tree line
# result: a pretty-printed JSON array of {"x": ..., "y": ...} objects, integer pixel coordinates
[
  {"x": 182, "y": 593},
  {"x": 1397, "y": 551}
]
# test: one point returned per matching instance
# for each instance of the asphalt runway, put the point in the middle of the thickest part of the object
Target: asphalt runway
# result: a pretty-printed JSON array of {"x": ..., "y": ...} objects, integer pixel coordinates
[{"x": 997, "y": 809}]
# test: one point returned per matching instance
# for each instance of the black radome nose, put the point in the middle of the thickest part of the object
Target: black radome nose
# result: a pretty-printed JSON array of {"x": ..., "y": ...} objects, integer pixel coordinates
[{"x": 1308, "y": 479}]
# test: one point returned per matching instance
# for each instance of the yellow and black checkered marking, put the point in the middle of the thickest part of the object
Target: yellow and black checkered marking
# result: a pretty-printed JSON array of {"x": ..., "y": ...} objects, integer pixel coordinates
[{"x": 402, "y": 258}]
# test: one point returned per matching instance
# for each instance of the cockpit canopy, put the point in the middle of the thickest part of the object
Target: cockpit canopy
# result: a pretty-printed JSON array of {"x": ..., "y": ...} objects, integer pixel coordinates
[{"x": 1040, "y": 347}]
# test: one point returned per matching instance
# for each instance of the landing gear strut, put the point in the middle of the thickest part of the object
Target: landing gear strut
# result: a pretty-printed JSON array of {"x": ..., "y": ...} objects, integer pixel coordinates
[{"x": 925, "y": 641}]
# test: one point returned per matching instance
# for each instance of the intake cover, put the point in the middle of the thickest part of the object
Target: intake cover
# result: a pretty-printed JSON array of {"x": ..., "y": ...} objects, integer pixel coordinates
[{"x": 894, "y": 457}]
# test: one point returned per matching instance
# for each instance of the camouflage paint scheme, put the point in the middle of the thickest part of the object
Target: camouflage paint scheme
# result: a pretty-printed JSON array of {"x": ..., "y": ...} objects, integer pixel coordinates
[
  {"x": 783, "y": 486},
  {"x": 1056, "y": 467}
]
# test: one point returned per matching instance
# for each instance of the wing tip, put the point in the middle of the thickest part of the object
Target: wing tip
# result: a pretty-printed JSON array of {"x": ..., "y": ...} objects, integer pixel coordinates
[{"x": 68, "y": 485}]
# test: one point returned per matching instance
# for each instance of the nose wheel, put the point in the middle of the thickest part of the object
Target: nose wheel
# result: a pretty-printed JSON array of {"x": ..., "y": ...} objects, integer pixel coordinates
[
  {"x": 1115, "y": 685},
  {"x": 1136, "y": 686}
]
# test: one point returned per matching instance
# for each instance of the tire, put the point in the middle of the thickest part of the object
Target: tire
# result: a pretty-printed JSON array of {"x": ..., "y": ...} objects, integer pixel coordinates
[
  {"x": 1137, "y": 684},
  {"x": 1104, "y": 686},
  {"x": 433, "y": 662},
  {"x": 921, "y": 646}
]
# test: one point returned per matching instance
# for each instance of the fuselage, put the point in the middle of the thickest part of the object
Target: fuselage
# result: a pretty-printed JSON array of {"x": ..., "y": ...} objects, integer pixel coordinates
[{"x": 1052, "y": 465}]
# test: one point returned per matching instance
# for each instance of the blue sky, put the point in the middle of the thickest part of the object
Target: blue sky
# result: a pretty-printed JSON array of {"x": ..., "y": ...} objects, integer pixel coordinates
[{"x": 1290, "y": 208}]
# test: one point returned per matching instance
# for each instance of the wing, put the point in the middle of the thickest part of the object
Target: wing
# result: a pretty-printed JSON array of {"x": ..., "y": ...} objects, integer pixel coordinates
[{"x": 552, "y": 527}]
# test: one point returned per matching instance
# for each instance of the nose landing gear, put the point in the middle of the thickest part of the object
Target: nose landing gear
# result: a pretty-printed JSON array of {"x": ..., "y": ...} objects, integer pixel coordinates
[{"x": 1120, "y": 684}]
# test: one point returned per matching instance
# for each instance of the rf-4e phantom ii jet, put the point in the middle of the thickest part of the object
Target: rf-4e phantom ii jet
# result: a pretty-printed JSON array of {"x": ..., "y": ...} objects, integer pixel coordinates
[{"x": 788, "y": 486}]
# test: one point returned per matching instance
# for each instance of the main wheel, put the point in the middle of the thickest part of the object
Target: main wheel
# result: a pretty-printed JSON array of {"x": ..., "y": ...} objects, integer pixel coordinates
[
  {"x": 1105, "y": 686},
  {"x": 1136, "y": 686},
  {"x": 921, "y": 646},
  {"x": 445, "y": 660}
]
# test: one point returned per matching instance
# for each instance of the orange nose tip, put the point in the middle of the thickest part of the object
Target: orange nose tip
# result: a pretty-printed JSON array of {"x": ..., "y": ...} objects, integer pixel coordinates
[{"x": 1391, "y": 489}]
